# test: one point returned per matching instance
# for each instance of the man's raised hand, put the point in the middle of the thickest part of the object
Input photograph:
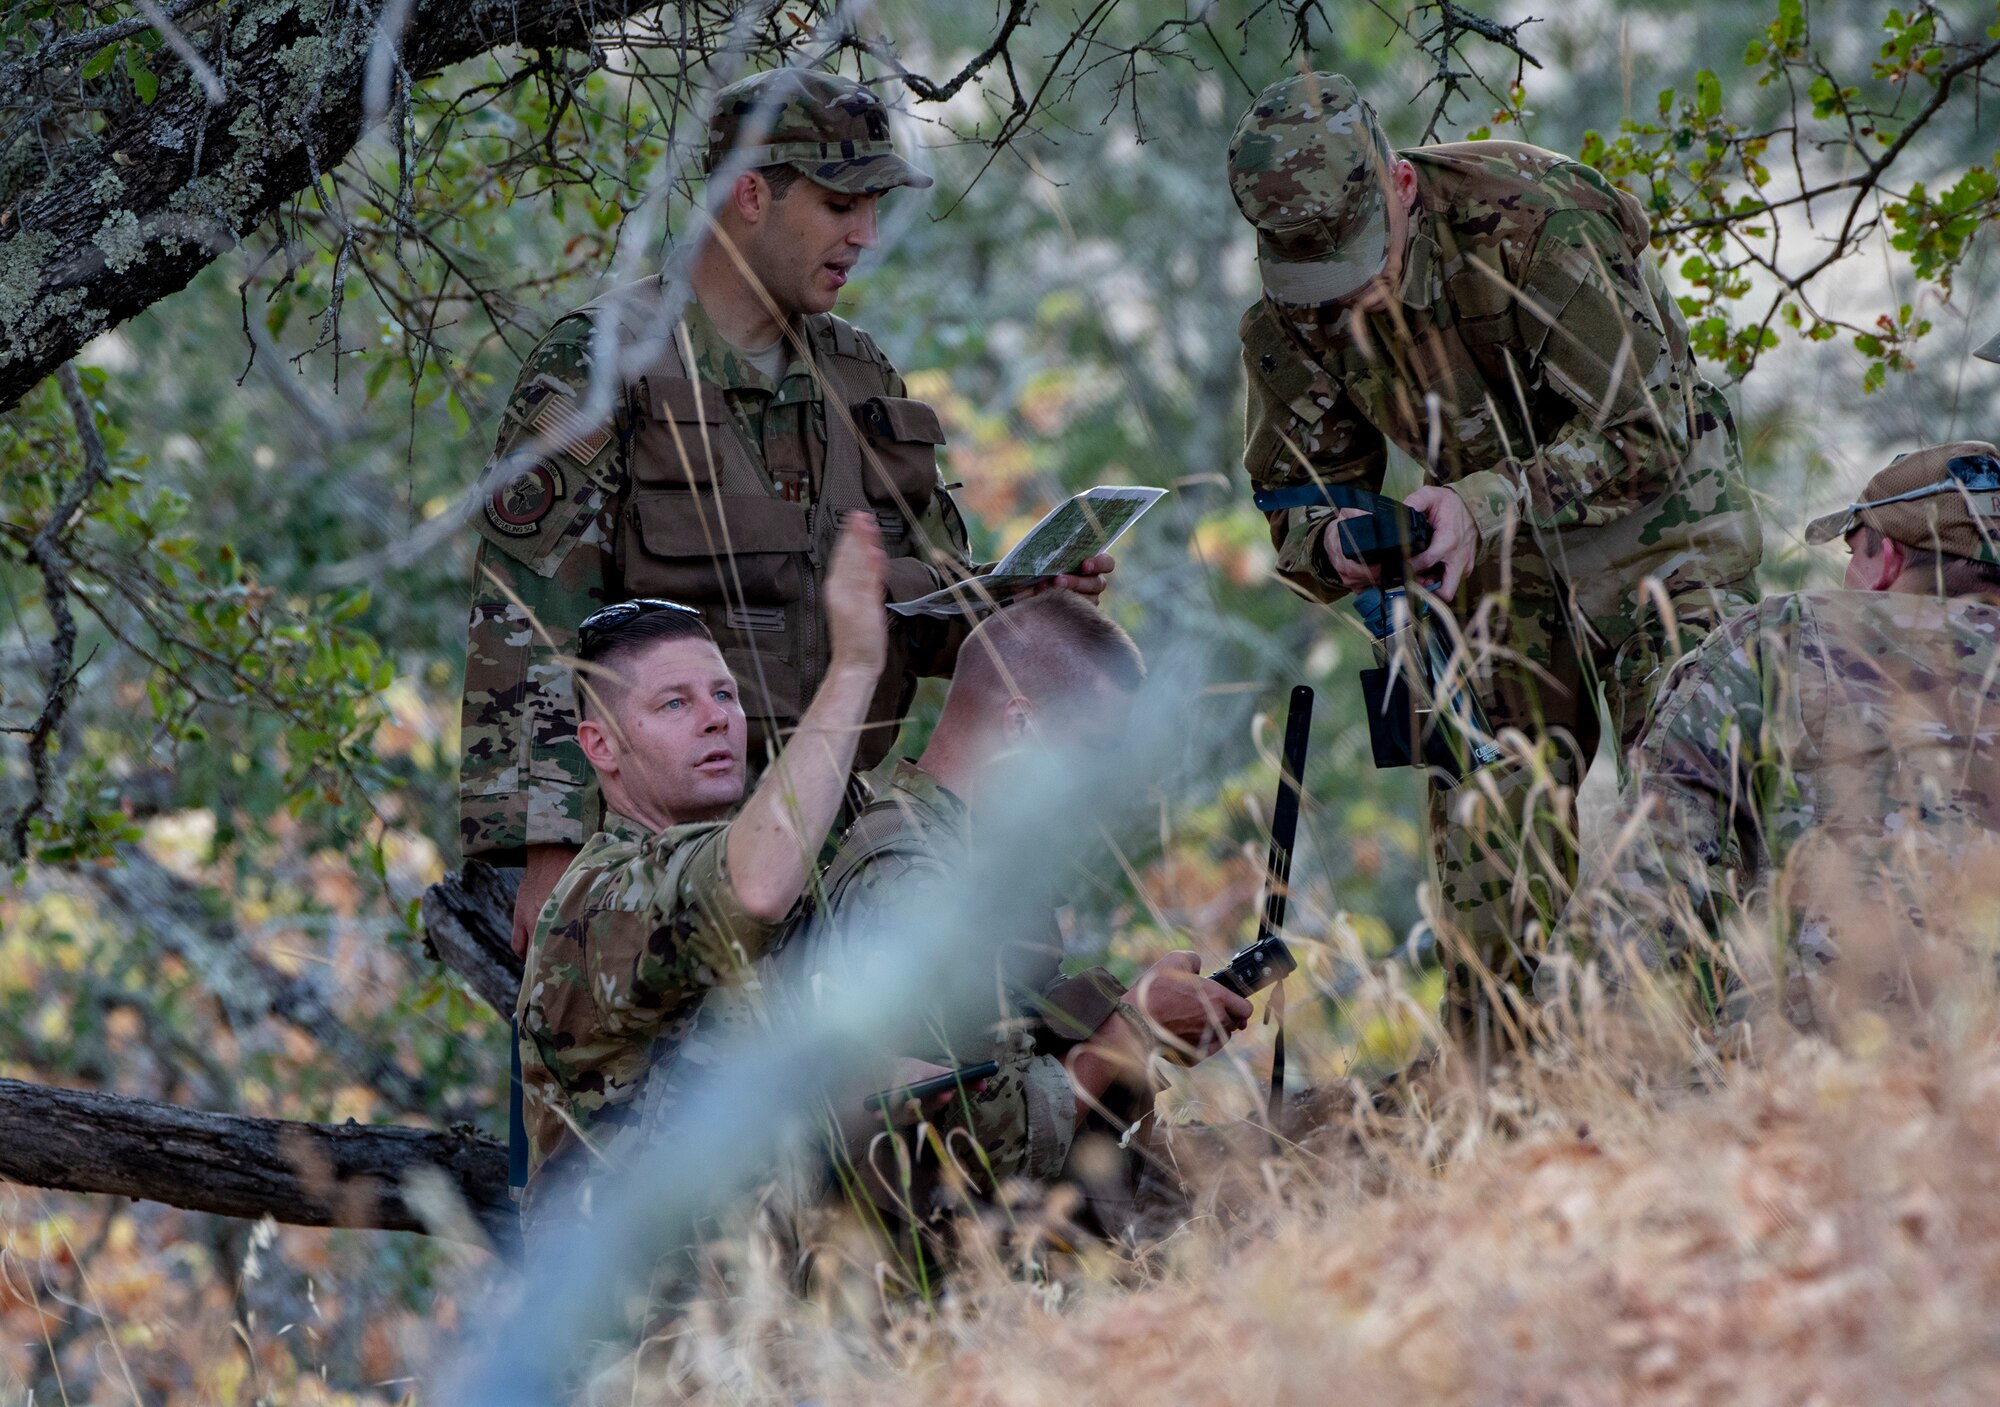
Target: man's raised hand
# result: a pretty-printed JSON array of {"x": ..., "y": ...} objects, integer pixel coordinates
[{"x": 856, "y": 596}]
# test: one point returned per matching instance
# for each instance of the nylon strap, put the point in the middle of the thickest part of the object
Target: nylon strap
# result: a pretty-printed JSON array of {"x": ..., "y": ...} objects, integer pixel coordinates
[
  {"x": 849, "y": 380},
  {"x": 1321, "y": 495}
]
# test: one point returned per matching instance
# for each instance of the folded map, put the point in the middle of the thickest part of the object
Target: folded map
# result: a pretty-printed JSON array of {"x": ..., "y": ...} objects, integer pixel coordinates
[{"x": 1073, "y": 532}]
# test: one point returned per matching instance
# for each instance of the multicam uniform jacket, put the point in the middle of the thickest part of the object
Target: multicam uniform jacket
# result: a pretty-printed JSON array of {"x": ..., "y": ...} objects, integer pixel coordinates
[
  {"x": 711, "y": 485},
  {"x": 1024, "y": 1119},
  {"x": 1534, "y": 362},
  {"x": 642, "y": 946},
  {"x": 1827, "y": 765}
]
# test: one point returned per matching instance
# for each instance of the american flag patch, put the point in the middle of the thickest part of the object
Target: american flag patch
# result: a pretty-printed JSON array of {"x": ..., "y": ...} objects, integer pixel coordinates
[{"x": 562, "y": 425}]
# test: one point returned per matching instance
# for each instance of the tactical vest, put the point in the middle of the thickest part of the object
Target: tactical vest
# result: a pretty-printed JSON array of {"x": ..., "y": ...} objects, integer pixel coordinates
[{"x": 700, "y": 522}]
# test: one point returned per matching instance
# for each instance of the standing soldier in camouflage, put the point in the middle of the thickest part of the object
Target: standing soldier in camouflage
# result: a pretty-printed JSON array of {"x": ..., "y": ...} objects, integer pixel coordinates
[
  {"x": 640, "y": 956},
  {"x": 740, "y": 427},
  {"x": 1490, "y": 309},
  {"x": 1825, "y": 767}
]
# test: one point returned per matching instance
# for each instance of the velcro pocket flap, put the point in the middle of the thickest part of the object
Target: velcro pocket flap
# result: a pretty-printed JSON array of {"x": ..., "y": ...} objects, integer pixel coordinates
[
  {"x": 899, "y": 461},
  {"x": 686, "y": 433},
  {"x": 720, "y": 525},
  {"x": 1481, "y": 291},
  {"x": 897, "y": 418},
  {"x": 740, "y": 550}
]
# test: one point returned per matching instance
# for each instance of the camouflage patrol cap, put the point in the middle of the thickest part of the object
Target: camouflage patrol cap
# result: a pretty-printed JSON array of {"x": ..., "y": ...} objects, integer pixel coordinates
[
  {"x": 1944, "y": 499},
  {"x": 1309, "y": 167},
  {"x": 830, "y": 129}
]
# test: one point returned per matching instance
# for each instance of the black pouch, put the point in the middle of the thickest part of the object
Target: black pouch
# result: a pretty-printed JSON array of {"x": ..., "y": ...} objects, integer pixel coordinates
[{"x": 1392, "y": 722}]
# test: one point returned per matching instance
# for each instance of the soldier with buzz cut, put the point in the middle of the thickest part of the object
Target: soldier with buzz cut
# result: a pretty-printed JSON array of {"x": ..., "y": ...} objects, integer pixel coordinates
[
  {"x": 1073, "y": 1052},
  {"x": 740, "y": 419},
  {"x": 1490, "y": 309},
  {"x": 1825, "y": 770}
]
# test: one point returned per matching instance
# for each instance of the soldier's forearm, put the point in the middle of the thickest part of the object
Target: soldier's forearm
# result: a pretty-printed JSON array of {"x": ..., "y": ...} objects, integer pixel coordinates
[
  {"x": 1574, "y": 482},
  {"x": 1296, "y": 534},
  {"x": 775, "y": 841}
]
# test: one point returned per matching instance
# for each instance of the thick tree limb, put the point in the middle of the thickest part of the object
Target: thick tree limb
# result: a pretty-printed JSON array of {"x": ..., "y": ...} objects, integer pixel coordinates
[
  {"x": 469, "y": 925},
  {"x": 123, "y": 219},
  {"x": 303, "y": 1174}
]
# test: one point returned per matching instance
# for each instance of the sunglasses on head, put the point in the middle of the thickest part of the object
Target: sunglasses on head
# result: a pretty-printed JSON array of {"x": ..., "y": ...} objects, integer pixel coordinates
[{"x": 594, "y": 627}]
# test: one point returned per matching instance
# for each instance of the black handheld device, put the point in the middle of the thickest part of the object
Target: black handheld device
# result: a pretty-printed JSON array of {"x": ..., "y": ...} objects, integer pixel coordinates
[
  {"x": 921, "y": 1090},
  {"x": 1387, "y": 538},
  {"x": 1402, "y": 730},
  {"x": 1256, "y": 967}
]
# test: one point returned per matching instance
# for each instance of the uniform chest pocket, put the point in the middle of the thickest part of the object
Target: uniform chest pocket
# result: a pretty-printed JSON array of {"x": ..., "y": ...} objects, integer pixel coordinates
[
  {"x": 715, "y": 549},
  {"x": 900, "y": 440},
  {"x": 1484, "y": 304},
  {"x": 684, "y": 435}
]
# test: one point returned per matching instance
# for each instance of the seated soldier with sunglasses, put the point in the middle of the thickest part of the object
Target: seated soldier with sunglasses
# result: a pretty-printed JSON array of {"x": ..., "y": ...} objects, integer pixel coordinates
[{"x": 673, "y": 903}]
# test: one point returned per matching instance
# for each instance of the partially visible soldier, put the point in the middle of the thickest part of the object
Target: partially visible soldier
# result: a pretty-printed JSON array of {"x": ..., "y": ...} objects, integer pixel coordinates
[
  {"x": 663, "y": 916},
  {"x": 743, "y": 426},
  {"x": 1491, "y": 309},
  {"x": 1050, "y": 674},
  {"x": 1824, "y": 773}
]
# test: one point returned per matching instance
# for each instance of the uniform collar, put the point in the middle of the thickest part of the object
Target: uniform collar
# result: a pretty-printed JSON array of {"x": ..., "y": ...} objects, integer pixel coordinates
[
  {"x": 721, "y": 363},
  {"x": 625, "y": 828},
  {"x": 926, "y": 790}
]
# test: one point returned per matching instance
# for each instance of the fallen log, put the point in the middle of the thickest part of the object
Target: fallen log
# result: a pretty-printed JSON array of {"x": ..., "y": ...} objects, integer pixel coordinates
[{"x": 235, "y": 1165}]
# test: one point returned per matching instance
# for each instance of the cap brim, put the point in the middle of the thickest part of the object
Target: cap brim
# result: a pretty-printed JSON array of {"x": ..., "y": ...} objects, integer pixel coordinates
[
  {"x": 1989, "y": 351},
  {"x": 864, "y": 175},
  {"x": 1831, "y": 526},
  {"x": 1309, "y": 283}
]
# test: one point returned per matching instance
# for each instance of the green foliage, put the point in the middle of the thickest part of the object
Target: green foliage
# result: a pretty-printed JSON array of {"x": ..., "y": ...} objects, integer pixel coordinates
[
  {"x": 288, "y": 678},
  {"x": 1722, "y": 185}
]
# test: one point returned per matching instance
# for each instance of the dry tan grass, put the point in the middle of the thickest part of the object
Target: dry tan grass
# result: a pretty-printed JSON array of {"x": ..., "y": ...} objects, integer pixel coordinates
[
  {"x": 1824, "y": 1231},
  {"x": 1824, "y": 1228}
]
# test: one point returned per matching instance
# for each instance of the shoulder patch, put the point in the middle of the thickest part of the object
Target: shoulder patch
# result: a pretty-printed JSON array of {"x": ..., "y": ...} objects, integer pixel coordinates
[
  {"x": 553, "y": 466},
  {"x": 517, "y": 506},
  {"x": 1270, "y": 355}
]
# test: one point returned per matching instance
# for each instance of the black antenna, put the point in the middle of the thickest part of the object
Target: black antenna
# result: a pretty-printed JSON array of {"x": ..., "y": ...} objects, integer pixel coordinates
[{"x": 1285, "y": 819}]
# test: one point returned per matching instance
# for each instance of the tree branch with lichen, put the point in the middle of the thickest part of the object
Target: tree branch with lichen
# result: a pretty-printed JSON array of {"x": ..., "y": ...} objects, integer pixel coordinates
[{"x": 45, "y": 550}]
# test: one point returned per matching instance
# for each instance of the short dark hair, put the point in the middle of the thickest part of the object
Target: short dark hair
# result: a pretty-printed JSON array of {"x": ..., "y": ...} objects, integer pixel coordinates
[
  {"x": 1949, "y": 573},
  {"x": 781, "y": 178},
  {"x": 600, "y": 666},
  {"x": 1046, "y": 647}
]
